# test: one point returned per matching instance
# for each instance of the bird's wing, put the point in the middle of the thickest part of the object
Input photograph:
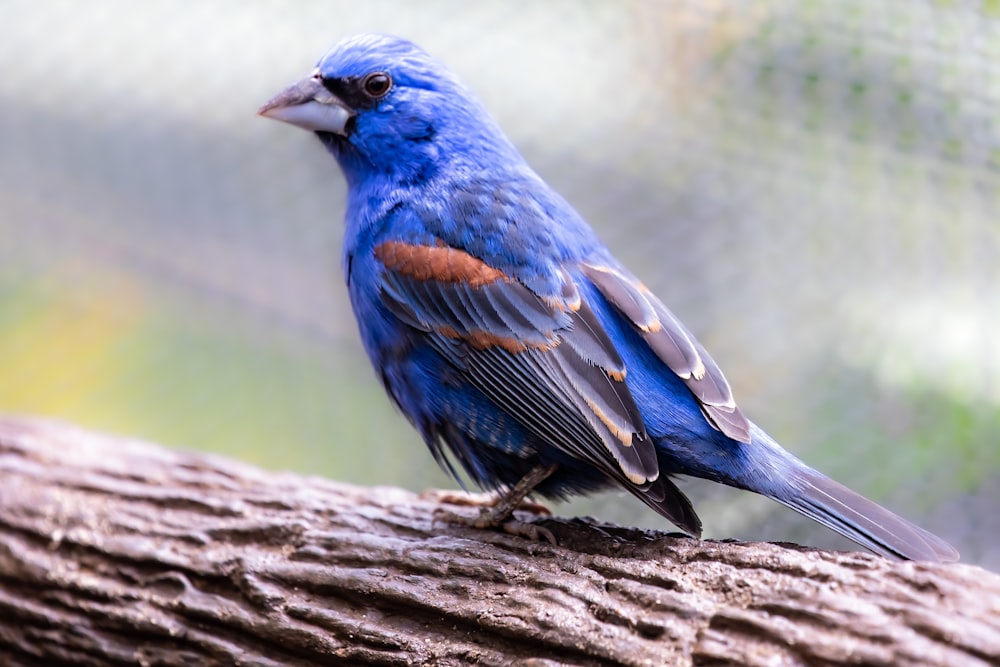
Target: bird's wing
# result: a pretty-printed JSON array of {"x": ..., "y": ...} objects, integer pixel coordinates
[
  {"x": 674, "y": 345},
  {"x": 545, "y": 361}
]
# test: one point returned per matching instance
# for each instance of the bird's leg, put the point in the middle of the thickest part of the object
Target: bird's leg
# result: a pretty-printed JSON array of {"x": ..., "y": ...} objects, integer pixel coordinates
[{"x": 498, "y": 513}]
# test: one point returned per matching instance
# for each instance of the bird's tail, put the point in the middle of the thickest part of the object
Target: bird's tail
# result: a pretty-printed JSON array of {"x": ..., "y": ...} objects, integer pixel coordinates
[
  {"x": 770, "y": 470},
  {"x": 857, "y": 518}
]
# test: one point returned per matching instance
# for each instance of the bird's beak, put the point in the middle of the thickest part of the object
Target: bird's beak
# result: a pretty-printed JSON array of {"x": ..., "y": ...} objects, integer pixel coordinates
[{"x": 309, "y": 105}]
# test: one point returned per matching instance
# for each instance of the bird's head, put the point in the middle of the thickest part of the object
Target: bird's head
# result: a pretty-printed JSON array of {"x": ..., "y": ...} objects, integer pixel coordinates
[{"x": 385, "y": 107}]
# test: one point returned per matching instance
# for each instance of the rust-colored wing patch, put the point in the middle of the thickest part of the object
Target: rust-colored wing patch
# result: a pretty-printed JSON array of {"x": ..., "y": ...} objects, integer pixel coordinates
[
  {"x": 442, "y": 263},
  {"x": 484, "y": 340},
  {"x": 446, "y": 290},
  {"x": 544, "y": 359}
]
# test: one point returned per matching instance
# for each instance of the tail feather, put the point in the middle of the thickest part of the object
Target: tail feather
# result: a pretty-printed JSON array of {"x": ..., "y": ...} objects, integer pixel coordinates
[{"x": 857, "y": 518}]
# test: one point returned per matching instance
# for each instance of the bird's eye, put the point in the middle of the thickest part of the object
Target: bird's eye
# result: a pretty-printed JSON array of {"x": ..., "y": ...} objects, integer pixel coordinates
[{"x": 377, "y": 84}]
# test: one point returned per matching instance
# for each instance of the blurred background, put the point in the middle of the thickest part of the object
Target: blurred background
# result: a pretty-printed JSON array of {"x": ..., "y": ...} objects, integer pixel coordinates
[{"x": 813, "y": 187}]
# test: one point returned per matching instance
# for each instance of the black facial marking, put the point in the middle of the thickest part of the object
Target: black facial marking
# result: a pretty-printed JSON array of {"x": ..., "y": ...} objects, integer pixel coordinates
[{"x": 351, "y": 91}]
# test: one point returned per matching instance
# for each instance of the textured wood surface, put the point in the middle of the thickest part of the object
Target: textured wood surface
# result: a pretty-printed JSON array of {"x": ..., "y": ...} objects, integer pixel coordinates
[{"x": 117, "y": 552}]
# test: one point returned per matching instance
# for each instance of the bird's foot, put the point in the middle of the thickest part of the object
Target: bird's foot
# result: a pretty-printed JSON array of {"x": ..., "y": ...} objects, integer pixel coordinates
[
  {"x": 495, "y": 512},
  {"x": 488, "y": 517},
  {"x": 487, "y": 500}
]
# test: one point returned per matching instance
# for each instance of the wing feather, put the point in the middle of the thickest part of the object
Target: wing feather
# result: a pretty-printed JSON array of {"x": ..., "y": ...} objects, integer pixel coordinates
[
  {"x": 544, "y": 360},
  {"x": 674, "y": 345}
]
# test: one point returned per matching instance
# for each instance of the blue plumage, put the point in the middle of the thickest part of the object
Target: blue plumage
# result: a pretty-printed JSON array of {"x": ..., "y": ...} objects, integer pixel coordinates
[{"x": 508, "y": 334}]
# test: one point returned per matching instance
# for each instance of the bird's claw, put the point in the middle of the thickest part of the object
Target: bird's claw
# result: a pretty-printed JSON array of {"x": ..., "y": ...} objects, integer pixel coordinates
[
  {"x": 483, "y": 500},
  {"x": 529, "y": 531},
  {"x": 489, "y": 517}
]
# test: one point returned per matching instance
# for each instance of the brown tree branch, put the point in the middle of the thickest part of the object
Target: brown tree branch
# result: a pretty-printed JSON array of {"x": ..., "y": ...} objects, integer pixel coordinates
[{"x": 117, "y": 552}]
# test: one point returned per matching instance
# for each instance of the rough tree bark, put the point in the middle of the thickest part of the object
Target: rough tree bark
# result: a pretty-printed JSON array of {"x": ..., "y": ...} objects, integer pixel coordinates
[{"x": 117, "y": 552}]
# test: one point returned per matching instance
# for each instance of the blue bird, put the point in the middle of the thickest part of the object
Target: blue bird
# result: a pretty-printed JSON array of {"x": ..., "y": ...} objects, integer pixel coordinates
[{"x": 507, "y": 332}]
